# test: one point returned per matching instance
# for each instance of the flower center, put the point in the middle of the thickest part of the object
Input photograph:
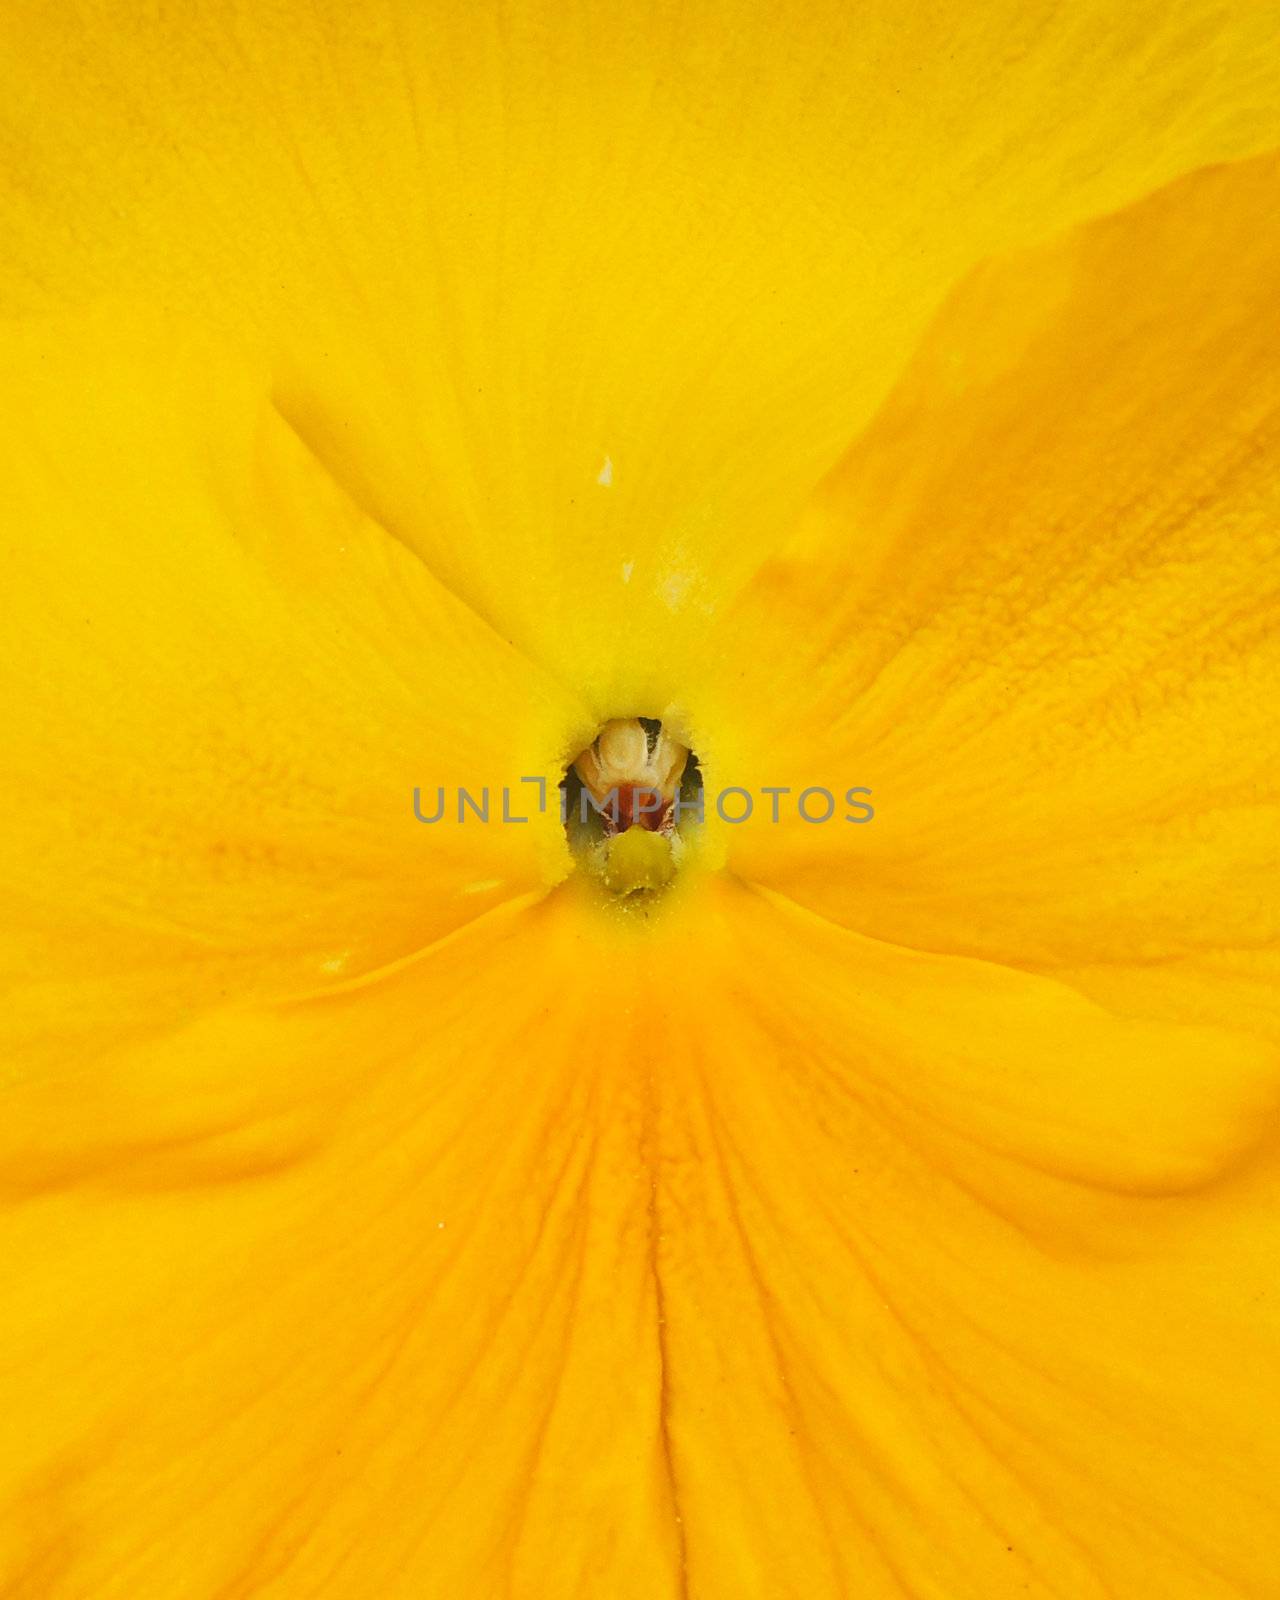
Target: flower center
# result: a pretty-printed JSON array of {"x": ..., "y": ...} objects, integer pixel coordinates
[{"x": 630, "y": 799}]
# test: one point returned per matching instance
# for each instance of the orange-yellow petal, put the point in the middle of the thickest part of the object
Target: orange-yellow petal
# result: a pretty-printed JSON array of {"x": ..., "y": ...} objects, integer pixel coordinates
[
  {"x": 589, "y": 1257},
  {"x": 348, "y": 1297},
  {"x": 903, "y": 1363}
]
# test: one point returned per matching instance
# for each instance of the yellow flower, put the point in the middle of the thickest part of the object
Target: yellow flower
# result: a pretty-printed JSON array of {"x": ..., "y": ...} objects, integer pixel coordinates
[{"x": 880, "y": 396}]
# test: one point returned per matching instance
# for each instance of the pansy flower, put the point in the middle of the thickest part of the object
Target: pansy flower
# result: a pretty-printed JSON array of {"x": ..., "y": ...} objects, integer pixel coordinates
[{"x": 873, "y": 404}]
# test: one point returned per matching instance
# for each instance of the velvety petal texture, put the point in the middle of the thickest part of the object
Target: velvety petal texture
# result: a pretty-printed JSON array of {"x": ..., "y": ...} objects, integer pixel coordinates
[
  {"x": 597, "y": 289},
  {"x": 880, "y": 396},
  {"x": 569, "y": 1258},
  {"x": 363, "y": 1301},
  {"x": 1036, "y": 610},
  {"x": 224, "y": 683}
]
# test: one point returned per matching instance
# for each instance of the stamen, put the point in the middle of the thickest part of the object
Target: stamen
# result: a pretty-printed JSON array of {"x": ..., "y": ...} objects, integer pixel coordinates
[
  {"x": 621, "y": 812},
  {"x": 643, "y": 776}
]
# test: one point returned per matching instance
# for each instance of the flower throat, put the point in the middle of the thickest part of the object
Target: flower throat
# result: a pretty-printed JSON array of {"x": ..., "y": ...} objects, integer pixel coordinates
[{"x": 631, "y": 800}]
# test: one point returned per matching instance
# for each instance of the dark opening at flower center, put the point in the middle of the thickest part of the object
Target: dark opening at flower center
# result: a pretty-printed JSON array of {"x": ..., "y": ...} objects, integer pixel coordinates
[{"x": 630, "y": 801}]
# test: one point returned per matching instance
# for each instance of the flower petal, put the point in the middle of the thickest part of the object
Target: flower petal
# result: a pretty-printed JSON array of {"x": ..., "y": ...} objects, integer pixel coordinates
[
  {"x": 586, "y": 298},
  {"x": 1035, "y": 612},
  {"x": 350, "y": 1296},
  {"x": 601, "y": 1280},
  {"x": 952, "y": 1373},
  {"x": 222, "y": 684}
]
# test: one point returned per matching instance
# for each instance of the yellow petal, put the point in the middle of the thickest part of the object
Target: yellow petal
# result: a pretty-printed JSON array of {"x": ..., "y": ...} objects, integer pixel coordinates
[
  {"x": 580, "y": 302},
  {"x": 351, "y": 1296},
  {"x": 222, "y": 684},
  {"x": 671, "y": 1342},
  {"x": 1036, "y": 615},
  {"x": 651, "y": 1259},
  {"x": 953, "y": 1375}
]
